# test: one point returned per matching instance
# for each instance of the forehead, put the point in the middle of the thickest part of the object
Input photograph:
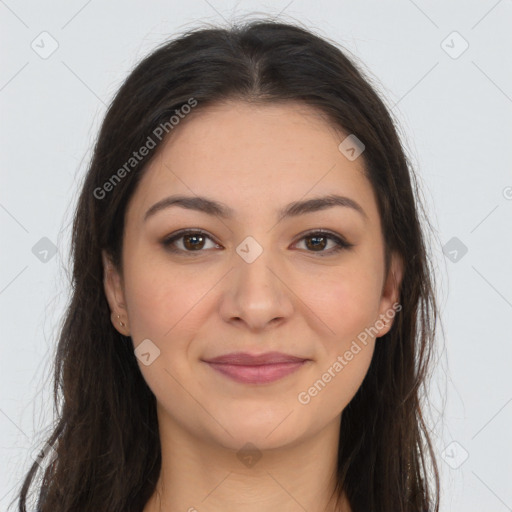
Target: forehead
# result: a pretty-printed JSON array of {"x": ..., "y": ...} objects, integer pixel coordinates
[{"x": 255, "y": 158}]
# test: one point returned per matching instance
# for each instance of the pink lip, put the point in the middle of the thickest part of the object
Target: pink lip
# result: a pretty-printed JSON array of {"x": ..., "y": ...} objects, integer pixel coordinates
[{"x": 256, "y": 369}]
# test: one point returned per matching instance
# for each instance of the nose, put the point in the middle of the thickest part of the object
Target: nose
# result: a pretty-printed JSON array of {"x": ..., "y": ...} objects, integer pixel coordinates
[{"x": 256, "y": 294}]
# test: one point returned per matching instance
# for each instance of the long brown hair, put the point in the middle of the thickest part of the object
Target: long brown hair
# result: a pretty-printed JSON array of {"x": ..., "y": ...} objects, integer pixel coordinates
[{"x": 106, "y": 438}]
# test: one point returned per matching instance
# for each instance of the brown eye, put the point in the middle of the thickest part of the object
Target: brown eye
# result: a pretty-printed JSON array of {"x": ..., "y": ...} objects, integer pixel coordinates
[
  {"x": 193, "y": 242},
  {"x": 318, "y": 241},
  {"x": 188, "y": 241}
]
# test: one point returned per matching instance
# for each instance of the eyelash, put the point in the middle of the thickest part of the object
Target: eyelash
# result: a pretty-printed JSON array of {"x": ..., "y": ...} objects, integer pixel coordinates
[{"x": 341, "y": 243}]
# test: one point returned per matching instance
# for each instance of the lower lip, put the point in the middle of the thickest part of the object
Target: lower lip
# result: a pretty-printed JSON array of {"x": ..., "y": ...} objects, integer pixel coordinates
[{"x": 260, "y": 374}]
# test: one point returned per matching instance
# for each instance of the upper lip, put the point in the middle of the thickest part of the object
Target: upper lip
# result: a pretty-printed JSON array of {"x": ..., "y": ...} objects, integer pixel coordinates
[{"x": 245, "y": 359}]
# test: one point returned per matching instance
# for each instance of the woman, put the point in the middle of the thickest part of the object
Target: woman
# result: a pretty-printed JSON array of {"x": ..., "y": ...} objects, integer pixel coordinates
[{"x": 253, "y": 311}]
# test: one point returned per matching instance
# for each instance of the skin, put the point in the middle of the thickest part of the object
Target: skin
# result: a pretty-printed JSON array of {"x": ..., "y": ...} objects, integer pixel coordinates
[{"x": 200, "y": 304}]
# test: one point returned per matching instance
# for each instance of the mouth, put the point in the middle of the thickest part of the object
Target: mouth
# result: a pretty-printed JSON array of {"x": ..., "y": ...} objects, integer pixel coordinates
[{"x": 256, "y": 369}]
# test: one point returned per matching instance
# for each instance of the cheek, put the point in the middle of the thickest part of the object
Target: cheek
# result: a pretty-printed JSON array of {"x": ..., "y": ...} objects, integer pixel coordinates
[
  {"x": 346, "y": 302},
  {"x": 329, "y": 392},
  {"x": 160, "y": 300},
  {"x": 163, "y": 307},
  {"x": 349, "y": 310}
]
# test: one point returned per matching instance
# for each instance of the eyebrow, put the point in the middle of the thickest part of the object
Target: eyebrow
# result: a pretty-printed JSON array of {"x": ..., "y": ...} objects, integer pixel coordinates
[{"x": 211, "y": 207}]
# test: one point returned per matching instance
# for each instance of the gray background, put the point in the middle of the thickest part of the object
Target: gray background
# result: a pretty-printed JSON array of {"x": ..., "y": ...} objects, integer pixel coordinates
[{"x": 454, "y": 108}]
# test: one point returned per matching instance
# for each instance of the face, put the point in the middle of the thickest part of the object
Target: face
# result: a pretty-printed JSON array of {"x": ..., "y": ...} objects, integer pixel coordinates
[{"x": 262, "y": 269}]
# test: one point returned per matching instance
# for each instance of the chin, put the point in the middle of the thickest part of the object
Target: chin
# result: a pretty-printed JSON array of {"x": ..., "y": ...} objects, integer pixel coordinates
[
  {"x": 254, "y": 440},
  {"x": 264, "y": 431}
]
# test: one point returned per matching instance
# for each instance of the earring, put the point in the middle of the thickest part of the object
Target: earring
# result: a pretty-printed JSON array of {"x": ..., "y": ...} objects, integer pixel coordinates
[{"x": 121, "y": 323}]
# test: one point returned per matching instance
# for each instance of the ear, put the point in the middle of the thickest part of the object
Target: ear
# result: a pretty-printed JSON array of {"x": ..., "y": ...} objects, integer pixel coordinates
[
  {"x": 114, "y": 291},
  {"x": 389, "y": 302}
]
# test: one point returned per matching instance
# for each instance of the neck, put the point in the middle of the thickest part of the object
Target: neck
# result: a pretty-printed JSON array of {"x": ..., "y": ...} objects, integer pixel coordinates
[{"x": 199, "y": 475}]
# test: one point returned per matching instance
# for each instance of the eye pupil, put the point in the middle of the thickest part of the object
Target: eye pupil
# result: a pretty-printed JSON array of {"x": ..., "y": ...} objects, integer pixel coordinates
[
  {"x": 187, "y": 238},
  {"x": 316, "y": 244}
]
